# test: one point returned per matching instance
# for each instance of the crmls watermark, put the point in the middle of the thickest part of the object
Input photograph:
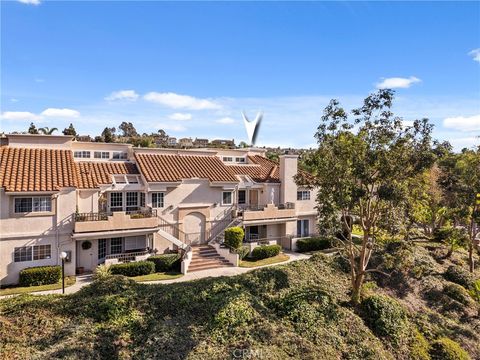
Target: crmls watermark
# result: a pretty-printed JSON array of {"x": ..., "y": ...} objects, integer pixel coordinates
[
  {"x": 252, "y": 127},
  {"x": 247, "y": 354}
]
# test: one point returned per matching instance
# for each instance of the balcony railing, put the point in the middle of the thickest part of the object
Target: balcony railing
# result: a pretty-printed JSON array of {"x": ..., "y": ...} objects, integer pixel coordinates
[
  {"x": 103, "y": 216},
  {"x": 127, "y": 256},
  {"x": 288, "y": 205}
]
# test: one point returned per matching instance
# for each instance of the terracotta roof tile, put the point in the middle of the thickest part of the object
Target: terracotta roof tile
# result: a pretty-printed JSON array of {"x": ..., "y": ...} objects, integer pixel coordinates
[
  {"x": 24, "y": 169},
  {"x": 264, "y": 170},
  {"x": 172, "y": 168},
  {"x": 92, "y": 174}
]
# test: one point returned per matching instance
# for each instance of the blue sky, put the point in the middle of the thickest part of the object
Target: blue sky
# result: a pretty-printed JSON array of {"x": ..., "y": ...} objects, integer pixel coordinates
[{"x": 191, "y": 68}]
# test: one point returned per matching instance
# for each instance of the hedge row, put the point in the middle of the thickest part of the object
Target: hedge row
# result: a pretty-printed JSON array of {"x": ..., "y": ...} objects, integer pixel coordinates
[
  {"x": 266, "y": 251},
  {"x": 40, "y": 275},
  {"x": 133, "y": 268},
  {"x": 166, "y": 262},
  {"x": 312, "y": 244}
]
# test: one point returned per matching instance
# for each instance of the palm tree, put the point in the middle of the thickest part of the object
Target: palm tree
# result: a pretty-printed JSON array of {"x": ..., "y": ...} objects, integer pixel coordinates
[{"x": 47, "y": 131}]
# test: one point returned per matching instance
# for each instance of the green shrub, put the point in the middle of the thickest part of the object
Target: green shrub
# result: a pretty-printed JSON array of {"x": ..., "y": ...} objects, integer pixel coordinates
[
  {"x": 40, "y": 275},
  {"x": 446, "y": 349},
  {"x": 266, "y": 251},
  {"x": 312, "y": 244},
  {"x": 459, "y": 276},
  {"x": 457, "y": 292},
  {"x": 166, "y": 262},
  {"x": 234, "y": 237},
  {"x": 385, "y": 317},
  {"x": 243, "y": 252},
  {"x": 475, "y": 291},
  {"x": 419, "y": 347},
  {"x": 102, "y": 272},
  {"x": 133, "y": 268}
]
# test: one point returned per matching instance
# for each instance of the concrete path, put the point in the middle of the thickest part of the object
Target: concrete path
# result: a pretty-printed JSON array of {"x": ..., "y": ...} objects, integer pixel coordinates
[{"x": 83, "y": 280}]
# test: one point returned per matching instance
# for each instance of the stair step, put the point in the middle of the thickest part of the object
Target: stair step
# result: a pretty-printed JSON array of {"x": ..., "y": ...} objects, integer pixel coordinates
[
  {"x": 206, "y": 267},
  {"x": 217, "y": 260}
]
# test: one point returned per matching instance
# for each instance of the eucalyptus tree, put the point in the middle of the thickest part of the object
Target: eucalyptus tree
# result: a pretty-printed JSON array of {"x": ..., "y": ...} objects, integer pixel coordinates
[{"x": 362, "y": 167}]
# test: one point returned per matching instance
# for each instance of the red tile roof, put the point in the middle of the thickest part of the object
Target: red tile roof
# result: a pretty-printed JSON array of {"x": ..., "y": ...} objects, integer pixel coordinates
[
  {"x": 30, "y": 169},
  {"x": 172, "y": 168},
  {"x": 92, "y": 174},
  {"x": 263, "y": 170}
]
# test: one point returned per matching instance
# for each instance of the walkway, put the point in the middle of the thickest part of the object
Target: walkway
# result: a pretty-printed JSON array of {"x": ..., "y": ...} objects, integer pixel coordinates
[{"x": 83, "y": 280}]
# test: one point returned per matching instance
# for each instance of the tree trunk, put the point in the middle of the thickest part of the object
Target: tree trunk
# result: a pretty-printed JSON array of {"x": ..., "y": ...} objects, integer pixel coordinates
[
  {"x": 471, "y": 259},
  {"x": 357, "y": 286}
]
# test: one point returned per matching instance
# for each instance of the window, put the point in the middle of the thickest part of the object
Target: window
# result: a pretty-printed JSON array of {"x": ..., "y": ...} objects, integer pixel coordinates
[
  {"x": 41, "y": 252},
  {"x": 303, "y": 228},
  {"x": 29, "y": 253},
  {"x": 23, "y": 253},
  {"x": 81, "y": 154},
  {"x": 132, "y": 179},
  {"x": 240, "y": 159},
  {"x": 119, "y": 155},
  {"x": 303, "y": 195},
  {"x": 227, "y": 159},
  {"x": 101, "y": 155},
  {"x": 242, "y": 196},
  {"x": 102, "y": 248},
  {"x": 116, "y": 246},
  {"x": 116, "y": 201},
  {"x": 142, "y": 199},
  {"x": 119, "y": 179},
  {"x": 158, "y": 199},
  {"x": 227, "y": 198},
  {"x": 132, "y": 201},
  {"x": 33, "y": 204},
  {"x": 42, "y": 203},
  {"x": 135, "y": 243}
]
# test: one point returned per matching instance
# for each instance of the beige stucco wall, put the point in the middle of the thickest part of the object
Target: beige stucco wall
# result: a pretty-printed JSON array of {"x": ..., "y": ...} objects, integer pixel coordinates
[
  {"x": 288, "y": 169},
  {"x": 18, "y": 230},
  {"x": 87, "y": 201}
]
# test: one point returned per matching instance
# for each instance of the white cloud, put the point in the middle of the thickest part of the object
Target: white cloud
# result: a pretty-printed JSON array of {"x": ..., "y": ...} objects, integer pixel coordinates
[
  {"x": 177, "y": 101},
  {"x": 170, "y": 127},
  {"x": 475, "y": 54},
  {"x": 225, "y": 120},
  {"x": 130, "y": 95},
  {"x": 463, "y": 123},
  {"x": 180, "y": 116},
  {"x": 20, "y": 115},
  {"x": 53, "y": 112},
  {"x": 13, "y": 100},
  {"x": 397, "y": 82},
  {"x": 30, "y": 2},
  {"x": 465, "y": 142}
]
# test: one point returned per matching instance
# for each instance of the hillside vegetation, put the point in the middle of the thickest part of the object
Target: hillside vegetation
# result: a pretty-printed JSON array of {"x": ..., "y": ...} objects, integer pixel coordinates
[{"x": 423, "y": 310}]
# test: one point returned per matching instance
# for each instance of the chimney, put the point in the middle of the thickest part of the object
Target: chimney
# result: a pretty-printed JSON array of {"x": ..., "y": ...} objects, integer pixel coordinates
[{"x": 288, "y": 169}]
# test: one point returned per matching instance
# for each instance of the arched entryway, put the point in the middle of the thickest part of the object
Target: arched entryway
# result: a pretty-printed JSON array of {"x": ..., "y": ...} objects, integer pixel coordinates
[{"x": 194, "y": 228}]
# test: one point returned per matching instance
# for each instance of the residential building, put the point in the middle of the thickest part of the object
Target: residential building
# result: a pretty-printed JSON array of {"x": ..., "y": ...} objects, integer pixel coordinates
[
  {"x": 200, "y": 143},
  {"x": 171, "y": 141},
  {"x": 185, "y": 142},
  {"x": 110, "y": 202},
  {"x": 223, "y": 143}
]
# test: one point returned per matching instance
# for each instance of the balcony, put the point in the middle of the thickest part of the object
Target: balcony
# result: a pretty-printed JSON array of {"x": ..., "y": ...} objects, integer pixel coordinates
[
  {"x": 119, "y": 220},
  {"x": 269, "y": 211}
]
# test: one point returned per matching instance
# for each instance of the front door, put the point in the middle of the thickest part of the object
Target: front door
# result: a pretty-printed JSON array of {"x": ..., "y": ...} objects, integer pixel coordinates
[{"x": 253, "y": 198}]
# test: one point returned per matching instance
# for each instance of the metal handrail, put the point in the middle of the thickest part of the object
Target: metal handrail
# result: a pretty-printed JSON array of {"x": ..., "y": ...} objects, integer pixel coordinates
[
  {"x": 103, "y": 216},
  {"x": 122, "y": 257},
  {"x": 285, "y": 206}
]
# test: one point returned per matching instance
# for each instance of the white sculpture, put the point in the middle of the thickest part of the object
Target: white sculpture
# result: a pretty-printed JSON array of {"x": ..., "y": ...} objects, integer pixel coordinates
[{"x": 272, "y": 195}]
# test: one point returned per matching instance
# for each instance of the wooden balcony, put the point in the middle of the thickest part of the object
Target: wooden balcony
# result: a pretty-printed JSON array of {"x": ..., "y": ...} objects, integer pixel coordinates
[
  {"x": 120, "y": 220},
  {"x": 269, "y": 211}
]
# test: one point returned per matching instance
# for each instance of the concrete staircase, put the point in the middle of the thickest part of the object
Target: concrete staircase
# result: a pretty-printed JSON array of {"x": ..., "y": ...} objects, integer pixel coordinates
[{"x": 206, "y": 257}]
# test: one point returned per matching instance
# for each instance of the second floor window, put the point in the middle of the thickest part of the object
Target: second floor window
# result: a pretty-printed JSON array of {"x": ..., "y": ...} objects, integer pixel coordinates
[
  {"x": 116, "y": 201},
  {"x": 158, "y": 199},
  {"x": 242, "y": 196},
  {"x": 227, "y": 159},
  {"x": 303, "y": 195},
  {"x": 101, "y": 155},
  {"x": 227, "y": 198},
  {"x": 81, "y": 154},
  {"x": 33, "y": 204},
  {"x": 119, "y": 155}
]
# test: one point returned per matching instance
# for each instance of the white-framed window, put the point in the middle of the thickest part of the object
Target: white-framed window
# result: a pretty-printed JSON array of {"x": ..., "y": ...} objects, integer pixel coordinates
[
  {"x": 303, "y": 227},
  {"x": 102, "y": 248},
  {"x": 119, "y": 155},
  {"x": 120, "y": 179},
  {"x": 132, "y": 201},
  {"x": 227, "y": 158},
  {"x": 227, "y": 198},
  {"x": 81, "y": 154},
  {"x": 132, "y": 179},
  {"x": 135, "y": 242},
  {"x": 33, "y": 204},
  {"x": 240, "y": 159},
  {"x": 116, "y": 245},
  {"x": 158, "y": 199},
  {"x": 116, "y": 201},
  {"x": 303, "y": 195},
  {"x": 242, "y": 197},
  {"x": 101, "y": 155},
  {"x": 29, "y": 253}
]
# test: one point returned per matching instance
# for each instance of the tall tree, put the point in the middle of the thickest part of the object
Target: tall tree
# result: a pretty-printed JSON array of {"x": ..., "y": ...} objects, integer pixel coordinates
[
  {"x": 32, "y": 129},
  {"x": 70, "y": 131},
  {"x": 362, "y": 168},
  {"x": 47, "y": 131},
  {"x": 108, "y": 134},
  {"x": 461, "y": 181},
  {"x": 128, "y": 130}
]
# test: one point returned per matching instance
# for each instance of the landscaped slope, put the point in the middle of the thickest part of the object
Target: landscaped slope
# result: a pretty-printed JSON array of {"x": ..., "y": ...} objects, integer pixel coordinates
[{"x": 299, "y": 310}]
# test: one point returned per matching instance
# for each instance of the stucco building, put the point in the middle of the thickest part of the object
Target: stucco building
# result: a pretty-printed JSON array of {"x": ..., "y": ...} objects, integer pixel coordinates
[{"x": 111, "y": 202}]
